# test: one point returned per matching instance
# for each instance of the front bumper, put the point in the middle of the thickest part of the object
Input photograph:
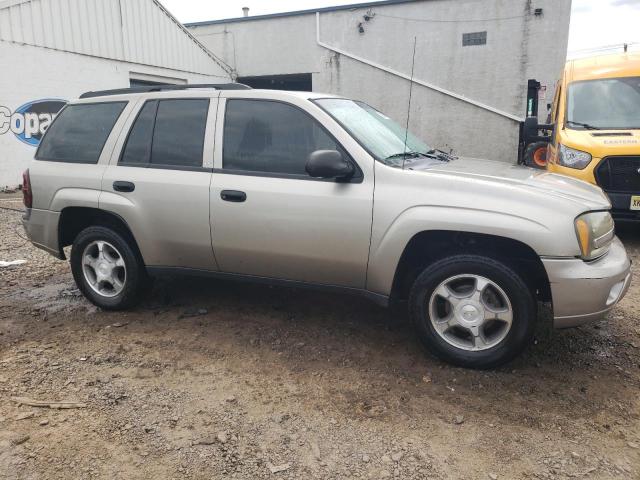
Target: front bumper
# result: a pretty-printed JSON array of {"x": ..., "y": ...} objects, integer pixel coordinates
[
  {"x": 585, "y": 291},
  {"x": 620, "y": 210}
]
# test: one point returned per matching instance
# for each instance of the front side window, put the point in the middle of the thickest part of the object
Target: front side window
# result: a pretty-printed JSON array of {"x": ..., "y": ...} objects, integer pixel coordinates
[
  {"x": 269, "y": 136},
  {"x": 608, "y": 103},
  {"x": 79, "y": 132},
  {"x": 168, "y": 133},
  {"x": 378, "y": 134}
]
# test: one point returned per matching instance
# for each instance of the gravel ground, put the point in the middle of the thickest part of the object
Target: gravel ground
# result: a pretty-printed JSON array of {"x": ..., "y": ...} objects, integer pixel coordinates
[{"x": 209, "y": 379}]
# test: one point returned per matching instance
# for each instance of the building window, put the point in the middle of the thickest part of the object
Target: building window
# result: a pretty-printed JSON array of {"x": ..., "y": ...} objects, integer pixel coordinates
[
  {"x": 474, "y": 38},
  {"x": 145, "y": 80},
  {"x": 300, "y": 82}
]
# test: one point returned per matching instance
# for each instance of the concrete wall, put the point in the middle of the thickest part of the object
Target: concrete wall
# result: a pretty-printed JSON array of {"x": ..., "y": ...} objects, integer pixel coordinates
[
  {"x": 30, "y": 73},
  {"x": 519, "y": 47}
]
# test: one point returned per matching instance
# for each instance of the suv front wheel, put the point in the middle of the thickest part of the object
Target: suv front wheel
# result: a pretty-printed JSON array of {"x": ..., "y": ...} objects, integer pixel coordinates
[
  {"x": 106, "y": 268},
  {"x": 472, "y": 311}
]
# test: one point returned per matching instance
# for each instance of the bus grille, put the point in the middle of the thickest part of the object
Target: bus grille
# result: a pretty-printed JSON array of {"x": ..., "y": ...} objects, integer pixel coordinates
[{"x": 619, "y": 174}]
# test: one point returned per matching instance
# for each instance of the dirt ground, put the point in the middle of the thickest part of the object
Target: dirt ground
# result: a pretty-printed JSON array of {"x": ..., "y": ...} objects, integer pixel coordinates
[{"x": 208, "y": 379}]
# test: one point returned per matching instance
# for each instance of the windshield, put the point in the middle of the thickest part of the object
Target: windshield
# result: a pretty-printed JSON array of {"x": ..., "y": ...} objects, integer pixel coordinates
[
  {"x": 378, "y": 134},
  {"x": 609, "y": 103}
]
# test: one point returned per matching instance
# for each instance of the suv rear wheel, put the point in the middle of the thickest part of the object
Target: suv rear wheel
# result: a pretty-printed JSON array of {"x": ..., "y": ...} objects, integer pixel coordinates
[
  {"x": 472, "y": 311},
  {"x": 106, "y": 268}
]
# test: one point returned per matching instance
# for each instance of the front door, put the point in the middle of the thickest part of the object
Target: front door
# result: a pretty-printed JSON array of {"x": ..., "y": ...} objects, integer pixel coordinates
[{"x": 269, "y": 217}]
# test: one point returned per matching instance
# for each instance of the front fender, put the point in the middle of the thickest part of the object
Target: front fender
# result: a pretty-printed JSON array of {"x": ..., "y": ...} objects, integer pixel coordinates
[{"x": 387, "y": 247}]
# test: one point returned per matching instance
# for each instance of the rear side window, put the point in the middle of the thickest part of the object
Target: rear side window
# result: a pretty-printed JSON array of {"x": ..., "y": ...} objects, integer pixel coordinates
[
  {"x": 79, "y": 132},
  {"x": 168, "y": 133},
  {"x": 269, "y": 136}
]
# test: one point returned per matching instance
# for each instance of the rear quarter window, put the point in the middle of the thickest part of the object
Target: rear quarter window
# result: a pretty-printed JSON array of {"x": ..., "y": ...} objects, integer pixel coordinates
[{"x": 79, "y": 132}]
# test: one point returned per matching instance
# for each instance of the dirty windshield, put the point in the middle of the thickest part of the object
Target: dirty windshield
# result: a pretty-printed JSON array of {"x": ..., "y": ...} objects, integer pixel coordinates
[
  {"x": 610, "y": 103},
  {"x": 377, "y": 133}
]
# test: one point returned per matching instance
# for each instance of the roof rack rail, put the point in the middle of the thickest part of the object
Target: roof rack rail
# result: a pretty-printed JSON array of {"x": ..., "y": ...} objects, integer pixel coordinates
[{"x": 167, "y": 87}]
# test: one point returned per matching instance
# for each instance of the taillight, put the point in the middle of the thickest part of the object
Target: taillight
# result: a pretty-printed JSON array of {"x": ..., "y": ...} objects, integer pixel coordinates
[{"x": 27, "y": 193}]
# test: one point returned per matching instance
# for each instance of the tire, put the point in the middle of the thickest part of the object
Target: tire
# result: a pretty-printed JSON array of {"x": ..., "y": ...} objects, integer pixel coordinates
[
  {"x": 535, "y": 155},
  {"x": 436, "y": 319},
  {"x": 119, "y": 258}
]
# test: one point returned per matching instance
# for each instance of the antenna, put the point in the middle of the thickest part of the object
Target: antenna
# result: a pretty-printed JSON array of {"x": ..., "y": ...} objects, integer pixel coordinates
[{"x": 406, "y": 131}]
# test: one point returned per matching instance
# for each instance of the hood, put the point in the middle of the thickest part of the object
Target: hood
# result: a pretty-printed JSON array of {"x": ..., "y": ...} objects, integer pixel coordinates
[
  {"x": 601, "y": 143},
  {"x": 591, "y": 196}
]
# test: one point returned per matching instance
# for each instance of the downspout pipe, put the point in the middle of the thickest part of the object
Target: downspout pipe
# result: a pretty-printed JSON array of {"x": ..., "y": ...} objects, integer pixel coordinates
[{"x": 428, "y": 85}]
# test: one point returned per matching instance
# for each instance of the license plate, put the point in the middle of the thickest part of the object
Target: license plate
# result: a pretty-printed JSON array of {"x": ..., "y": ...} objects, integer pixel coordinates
[{"x": 635, "y": 202}]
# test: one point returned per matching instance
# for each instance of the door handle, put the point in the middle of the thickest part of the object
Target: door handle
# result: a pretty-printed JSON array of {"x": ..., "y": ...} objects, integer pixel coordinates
[
  {"x": 233, "y": 196},
  {"x": 120, "y": 186}
]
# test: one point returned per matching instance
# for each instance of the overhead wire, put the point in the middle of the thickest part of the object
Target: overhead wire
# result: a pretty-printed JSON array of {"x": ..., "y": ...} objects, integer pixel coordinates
[
  {"x": 429, "y": 20},
  {"x": 606, "y": 47}
]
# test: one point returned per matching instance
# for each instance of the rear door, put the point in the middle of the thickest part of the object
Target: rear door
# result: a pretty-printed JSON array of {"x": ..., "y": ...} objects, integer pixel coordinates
[
  {"x": 269, "y": 217},
  {"x": 158, "y": 180}
]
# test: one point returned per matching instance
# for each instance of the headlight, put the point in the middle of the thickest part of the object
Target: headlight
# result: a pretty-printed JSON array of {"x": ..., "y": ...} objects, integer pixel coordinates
[
  {"x": 572, "y": 158},
  {"x": 595, "y": 231}
]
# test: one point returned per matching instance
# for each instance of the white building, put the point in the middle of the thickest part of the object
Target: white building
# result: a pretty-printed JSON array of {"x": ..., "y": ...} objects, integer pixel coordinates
[
  {"x": 54, "y": 50},
  {"x": 473, "y": 61}
]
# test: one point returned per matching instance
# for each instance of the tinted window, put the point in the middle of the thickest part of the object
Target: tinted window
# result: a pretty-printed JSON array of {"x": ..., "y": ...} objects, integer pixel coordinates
[
  {"x": 178, "y": 137},
  {"x": 138, "y": 147},
  {"x": 80, "y": 132},
  {"x": 265, "y": 136}
]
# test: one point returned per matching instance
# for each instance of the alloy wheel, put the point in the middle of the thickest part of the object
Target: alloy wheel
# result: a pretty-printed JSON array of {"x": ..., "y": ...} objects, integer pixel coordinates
[
  {"x": 104, "y": 268},
  {"x": 470, "y": 312}
]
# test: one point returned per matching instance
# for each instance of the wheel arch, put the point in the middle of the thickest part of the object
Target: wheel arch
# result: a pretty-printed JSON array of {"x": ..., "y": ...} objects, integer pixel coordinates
[
  {"x": 75, "y": 219},
  {"x": 388, "y": 243},
  {"x": 426, "y": 247}
]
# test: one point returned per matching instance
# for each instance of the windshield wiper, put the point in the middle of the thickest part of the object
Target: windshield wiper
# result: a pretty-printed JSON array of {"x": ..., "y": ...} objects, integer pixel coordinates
[
  {"x": 441, "y": 155},
  {"x": 434, "y": 154},
  {"x": 407, "y": 154},
  {"x": 584, "y": 125}
]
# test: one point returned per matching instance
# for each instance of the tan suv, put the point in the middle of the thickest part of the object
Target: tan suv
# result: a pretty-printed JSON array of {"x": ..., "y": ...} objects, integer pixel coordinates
[{"x": 314, "y": 190}]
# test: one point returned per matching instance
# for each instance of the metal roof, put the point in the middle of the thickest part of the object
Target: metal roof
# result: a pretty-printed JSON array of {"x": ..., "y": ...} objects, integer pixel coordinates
[
  {"x": 135, "y": 31},
  {"x": 300, "y": 12}
]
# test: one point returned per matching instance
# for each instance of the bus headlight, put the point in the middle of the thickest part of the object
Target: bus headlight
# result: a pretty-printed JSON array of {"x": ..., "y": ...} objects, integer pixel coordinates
[{"x": 572, "y": 158}]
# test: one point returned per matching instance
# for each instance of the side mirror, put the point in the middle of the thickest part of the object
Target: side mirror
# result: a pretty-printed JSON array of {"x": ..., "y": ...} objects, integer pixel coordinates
[{"x": 328, "y": 164}]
